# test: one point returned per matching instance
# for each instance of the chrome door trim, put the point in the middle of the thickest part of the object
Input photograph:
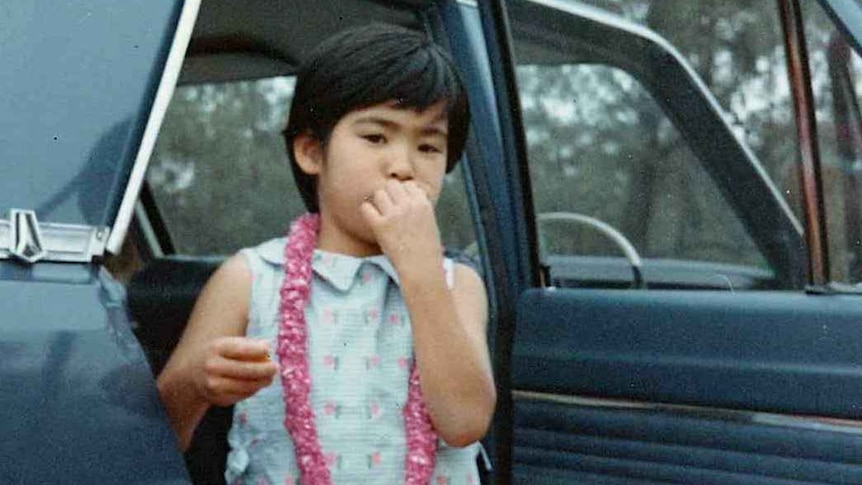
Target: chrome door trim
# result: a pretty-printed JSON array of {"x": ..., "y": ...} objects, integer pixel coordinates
[
  {"x": 811, "y": 423},
  {"x": 165, "y": 91},
  {"x": 57, "y": 242}
]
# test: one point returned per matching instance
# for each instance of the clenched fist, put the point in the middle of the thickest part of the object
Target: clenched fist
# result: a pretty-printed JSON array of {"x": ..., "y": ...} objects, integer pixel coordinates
[{"x": 401, "y": 216}]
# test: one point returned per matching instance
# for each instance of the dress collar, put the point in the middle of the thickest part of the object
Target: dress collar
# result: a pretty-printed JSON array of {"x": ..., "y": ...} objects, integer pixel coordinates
[
  {"x": 337, "y": 269},
  {"x": 340, "y": 270}
]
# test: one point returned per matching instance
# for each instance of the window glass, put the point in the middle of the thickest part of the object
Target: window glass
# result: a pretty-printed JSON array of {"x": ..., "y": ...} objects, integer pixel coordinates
[
  {"x": 601, "y": 146},
  {"x": 737, "y": 49},
  {"x": 221, "y": 177},
  {"x": 836, "y": 71},
  {"x": 219, "y": 171}
]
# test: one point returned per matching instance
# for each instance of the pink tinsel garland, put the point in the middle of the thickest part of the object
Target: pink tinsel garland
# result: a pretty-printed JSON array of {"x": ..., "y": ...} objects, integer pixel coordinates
[{"x": 296, "y": 378}]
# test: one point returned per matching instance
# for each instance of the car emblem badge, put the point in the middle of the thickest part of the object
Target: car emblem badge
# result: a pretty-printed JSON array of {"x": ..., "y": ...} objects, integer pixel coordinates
[{"x": 26, "y": 238}]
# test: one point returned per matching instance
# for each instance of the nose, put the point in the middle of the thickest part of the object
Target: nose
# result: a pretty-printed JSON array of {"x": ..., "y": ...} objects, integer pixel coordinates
[{"x": 400, "y": 165}]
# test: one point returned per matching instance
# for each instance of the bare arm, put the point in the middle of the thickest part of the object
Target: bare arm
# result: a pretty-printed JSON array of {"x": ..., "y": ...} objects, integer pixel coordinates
[
  {"x": 448, "y": 326},
  {"x": 214, "y": 364},
  {"x": 451, "y": 350}
]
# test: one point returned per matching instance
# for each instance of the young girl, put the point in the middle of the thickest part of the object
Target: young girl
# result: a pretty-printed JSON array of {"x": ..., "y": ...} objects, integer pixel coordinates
[{"x": 352, "y": 350}]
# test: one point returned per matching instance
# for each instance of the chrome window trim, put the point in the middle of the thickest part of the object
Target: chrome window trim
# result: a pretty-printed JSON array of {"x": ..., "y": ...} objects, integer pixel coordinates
[
  {"x": 147, "y": 230},
  {"x": 847, "y": 16},
  {"x": 811, "y": 423},
  {"x": 165, "y": 91}
]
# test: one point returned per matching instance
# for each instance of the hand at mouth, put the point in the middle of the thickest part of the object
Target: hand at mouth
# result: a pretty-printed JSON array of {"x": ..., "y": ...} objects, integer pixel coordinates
[{"x": 401, "y": 216}]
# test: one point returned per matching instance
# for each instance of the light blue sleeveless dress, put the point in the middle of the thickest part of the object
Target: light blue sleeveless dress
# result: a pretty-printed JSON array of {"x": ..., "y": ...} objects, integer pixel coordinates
[{"x": 360, "y": 352}]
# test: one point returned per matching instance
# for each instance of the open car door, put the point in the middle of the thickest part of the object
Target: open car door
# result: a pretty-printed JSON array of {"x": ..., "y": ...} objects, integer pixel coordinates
[{"x": 717, "y": 368}]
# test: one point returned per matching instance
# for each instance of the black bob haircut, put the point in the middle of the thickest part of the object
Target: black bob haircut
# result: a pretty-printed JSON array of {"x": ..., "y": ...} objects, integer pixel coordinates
[{"x": 365, "y": 66}]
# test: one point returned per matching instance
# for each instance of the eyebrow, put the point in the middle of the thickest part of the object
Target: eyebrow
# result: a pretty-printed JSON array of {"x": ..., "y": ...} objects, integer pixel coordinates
[{"x": 431, "y": 129}]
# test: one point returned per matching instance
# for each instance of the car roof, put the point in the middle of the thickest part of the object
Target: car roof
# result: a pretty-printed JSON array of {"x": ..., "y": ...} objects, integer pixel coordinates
[{"x": 266, "y": 38}]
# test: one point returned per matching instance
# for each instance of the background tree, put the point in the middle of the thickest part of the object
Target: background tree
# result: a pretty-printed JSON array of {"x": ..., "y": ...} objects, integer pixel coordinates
[
  {"x": 222, "y": 178},
  {"x": 600, "y": 145}
]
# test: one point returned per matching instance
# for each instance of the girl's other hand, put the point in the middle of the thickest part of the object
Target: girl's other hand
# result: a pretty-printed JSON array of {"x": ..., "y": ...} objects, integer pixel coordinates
[
  {"x": 401, "y": 216},
  {"x": 233, "y": 368}
]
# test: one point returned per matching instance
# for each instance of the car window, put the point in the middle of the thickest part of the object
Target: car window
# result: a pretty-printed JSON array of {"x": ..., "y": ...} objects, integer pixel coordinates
[
  {"x": 737, "y": 49},
  {"x": 219, "y": 172},
  {"x": 603, "y": 151},
  {"x": 600, "y": 146},
  {"x": 836, "y": 71},
  {"x": 221, "y": 177}
]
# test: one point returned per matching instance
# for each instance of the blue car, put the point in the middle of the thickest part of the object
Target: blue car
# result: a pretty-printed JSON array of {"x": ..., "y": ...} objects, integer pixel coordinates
[{"x": 663, "y": 198}]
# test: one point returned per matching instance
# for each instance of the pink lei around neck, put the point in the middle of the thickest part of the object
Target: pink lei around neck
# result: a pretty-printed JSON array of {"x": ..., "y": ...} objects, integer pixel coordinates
[{"x": 296, "y": 378}]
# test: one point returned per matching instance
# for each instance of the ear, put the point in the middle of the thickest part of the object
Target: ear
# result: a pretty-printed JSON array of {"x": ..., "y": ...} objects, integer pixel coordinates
[{"x": 308, "y": 153}]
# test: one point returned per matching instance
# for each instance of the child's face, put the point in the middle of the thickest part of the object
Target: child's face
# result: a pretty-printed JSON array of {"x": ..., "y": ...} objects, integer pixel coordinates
[{"x": 369, "y": 146}]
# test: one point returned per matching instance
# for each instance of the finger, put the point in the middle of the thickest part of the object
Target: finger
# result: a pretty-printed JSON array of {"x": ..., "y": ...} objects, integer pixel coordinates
[
  {"x": 415, "y": 190},
  {"x": 223, "y": 388},
  {"x": 382, "y": 202},
  {"x": 397, "y": 191},
  {"x": 225, "y": 400},
  {"x": 240, "y": 369},
  {"x": 243, "y": 348},
  {"x": 370, "y": 213}
]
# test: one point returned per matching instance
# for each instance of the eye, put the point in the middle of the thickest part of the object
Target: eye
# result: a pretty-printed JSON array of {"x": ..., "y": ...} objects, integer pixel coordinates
[
  {"x": 426, "y": 148},
  {"x": 374, "y": 138}
]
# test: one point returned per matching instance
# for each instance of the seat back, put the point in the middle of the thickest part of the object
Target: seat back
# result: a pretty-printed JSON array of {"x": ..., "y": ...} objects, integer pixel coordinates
[{"x": 160, "y": 299}]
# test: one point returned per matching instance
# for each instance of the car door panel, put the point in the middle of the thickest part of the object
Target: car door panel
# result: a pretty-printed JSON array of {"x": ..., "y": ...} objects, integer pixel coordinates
[
  {"x": 556, "y": 443},
  {"x": 78, "y": 90},
  {"x": 713, "y": 352},
  {"x": 710, "y": 351},
  {"x": 71, "y": 370},
  {"x": 737, "y": 350}
]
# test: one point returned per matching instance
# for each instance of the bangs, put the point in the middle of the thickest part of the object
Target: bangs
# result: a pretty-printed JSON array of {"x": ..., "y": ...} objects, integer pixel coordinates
[
  {"x": 417, "y": 82},
  {"x": 414, "y": 77}
]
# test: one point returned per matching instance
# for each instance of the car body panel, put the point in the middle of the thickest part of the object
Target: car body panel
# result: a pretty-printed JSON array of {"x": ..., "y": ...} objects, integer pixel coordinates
[
  {"x": 79, "y": 402},
  {"x": 77, "y": 88}
]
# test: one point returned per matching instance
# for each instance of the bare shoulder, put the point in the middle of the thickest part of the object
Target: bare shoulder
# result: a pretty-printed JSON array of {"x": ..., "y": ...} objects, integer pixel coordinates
[
  {"x": 222, "y": 306},
  {"x": 231, "y": 280},
  {"x": 233, "y": 271},
  {"x": 465, "y": 275}
]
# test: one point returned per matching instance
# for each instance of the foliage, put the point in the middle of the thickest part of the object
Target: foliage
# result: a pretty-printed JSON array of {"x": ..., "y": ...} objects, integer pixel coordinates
[
  {"x": 219, "y": 170},
  {"x": 221, "y": 174}
]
